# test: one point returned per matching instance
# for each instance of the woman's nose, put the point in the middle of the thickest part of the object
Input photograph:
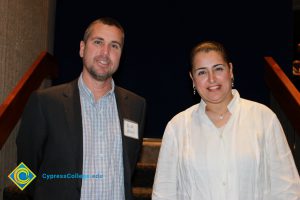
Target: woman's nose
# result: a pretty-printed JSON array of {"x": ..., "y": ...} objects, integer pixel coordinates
[{"x": 211, "y": 77}]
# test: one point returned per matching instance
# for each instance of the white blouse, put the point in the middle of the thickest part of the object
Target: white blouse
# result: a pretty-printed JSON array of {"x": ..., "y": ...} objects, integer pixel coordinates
[{"x": 248, "y": 159}]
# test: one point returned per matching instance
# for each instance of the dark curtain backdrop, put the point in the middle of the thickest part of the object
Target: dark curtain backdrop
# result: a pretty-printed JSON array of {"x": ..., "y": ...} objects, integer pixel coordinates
[
  {"x": 296, "y": 41},
  {"x": 160, "y": 35}
]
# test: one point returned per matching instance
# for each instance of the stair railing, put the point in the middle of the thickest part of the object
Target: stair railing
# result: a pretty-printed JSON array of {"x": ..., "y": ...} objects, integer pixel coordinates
[
  {"x": 45, "y": 66},
  {"x": 284, "y": 91}
]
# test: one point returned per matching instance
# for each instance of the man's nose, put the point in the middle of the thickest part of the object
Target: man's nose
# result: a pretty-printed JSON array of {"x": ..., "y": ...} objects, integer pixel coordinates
[{"x": 105, "y": 49}]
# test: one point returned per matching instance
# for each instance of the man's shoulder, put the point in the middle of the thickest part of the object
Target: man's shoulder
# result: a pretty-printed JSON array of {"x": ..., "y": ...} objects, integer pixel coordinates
[
  {"x": 56, "y": 93},
  {"x": 58, "y": 89},
  {"x": 122, "y": 92}
]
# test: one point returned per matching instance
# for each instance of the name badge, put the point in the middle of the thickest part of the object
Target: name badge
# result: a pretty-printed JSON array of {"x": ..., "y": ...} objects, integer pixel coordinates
[{"x": 131, "y": 129}]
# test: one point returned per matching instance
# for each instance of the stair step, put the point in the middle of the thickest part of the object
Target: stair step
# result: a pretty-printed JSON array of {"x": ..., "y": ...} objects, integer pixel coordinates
[
  {"x": 150, "y": 150},
  {"x": 142, "y": 193},
  {"x": 145, "y": 170},
  {"x": 144, "y": 175},
  {"x": 12, "y": 192}
]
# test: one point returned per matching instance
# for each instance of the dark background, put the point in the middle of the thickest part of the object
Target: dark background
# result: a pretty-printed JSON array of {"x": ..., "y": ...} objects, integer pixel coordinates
[
  {"x": 296, "y": 38},
  {"x": 159, "y": 38}
]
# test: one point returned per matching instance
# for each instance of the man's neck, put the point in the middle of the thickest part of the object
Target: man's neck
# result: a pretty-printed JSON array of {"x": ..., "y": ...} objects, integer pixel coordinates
[{"x": 98, "y": 88}]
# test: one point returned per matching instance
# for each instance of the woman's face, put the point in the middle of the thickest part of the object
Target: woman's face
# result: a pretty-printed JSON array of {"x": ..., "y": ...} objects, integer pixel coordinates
[{"x": 212, "y": 77}]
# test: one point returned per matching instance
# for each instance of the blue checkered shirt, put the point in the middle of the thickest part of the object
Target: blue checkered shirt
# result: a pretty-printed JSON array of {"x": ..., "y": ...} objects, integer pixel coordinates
[{"x": 102, "y": 146}]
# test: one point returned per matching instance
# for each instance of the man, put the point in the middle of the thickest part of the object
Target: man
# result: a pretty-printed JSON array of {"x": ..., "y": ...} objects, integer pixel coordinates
[{"x": 82, "y": 139}]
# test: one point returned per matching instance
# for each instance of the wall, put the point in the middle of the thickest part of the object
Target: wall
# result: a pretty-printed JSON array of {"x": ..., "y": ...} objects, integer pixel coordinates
[{"x": 27, "y": 28}]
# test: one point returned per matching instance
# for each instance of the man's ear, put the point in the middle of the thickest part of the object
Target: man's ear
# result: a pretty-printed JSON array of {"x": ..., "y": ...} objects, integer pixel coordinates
[{"x": 81, "y": 48}]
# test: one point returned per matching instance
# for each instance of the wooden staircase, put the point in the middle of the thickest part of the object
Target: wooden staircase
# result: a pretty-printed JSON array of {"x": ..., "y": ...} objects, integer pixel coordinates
[{"x": 145, "y": 170}]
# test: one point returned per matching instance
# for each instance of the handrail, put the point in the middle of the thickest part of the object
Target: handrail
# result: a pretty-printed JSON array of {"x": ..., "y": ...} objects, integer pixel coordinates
[
  {"x": 45, "y": 66},
  {"x": 284, "y": 91}
]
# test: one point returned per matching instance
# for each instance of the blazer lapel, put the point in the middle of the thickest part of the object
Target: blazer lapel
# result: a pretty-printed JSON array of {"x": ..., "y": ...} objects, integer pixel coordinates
[
  {"x": 73, "y": 115},
  {"x": 121, "y": 100},
  {"x": 73, "y": 108}
]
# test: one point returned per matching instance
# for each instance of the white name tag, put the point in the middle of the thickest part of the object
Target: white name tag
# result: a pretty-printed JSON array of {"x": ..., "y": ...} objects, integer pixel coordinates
[{"x": 131, "y": 129}]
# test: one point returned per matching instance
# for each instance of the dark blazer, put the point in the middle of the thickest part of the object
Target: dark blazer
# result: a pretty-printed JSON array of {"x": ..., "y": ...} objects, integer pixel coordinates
[{"x": 50, "y": 139}]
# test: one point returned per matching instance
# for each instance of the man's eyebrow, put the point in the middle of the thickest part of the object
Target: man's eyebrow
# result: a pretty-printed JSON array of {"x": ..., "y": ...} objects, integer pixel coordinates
[
  {"x": 97, "y": 38},
  {"x": 114, "y": 41}
]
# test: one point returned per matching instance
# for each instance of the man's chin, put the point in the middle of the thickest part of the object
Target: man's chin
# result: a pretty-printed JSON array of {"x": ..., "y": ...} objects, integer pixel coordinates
[{"x": 101, "y": 77}]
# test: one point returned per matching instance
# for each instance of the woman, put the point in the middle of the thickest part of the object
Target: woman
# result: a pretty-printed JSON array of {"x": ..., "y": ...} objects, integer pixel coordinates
[{"x": 225, "y": 147}]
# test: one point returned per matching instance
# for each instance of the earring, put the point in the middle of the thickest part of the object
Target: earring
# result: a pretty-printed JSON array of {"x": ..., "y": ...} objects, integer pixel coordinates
[
  {"x": 194, "y": 90},
  {"x": 232, "y": 82}
]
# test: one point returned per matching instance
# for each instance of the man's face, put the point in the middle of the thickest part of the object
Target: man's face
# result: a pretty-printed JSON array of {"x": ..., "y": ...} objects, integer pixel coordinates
[{"x": 101, "y": 52}]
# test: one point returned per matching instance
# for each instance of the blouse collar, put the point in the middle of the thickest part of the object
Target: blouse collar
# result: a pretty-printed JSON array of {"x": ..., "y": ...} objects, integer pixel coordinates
[{"x": 233, "y": 104}]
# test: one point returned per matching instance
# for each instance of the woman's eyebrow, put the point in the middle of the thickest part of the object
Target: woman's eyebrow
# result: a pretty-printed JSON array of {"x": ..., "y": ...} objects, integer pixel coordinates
[{"x": 216, "y": 65}]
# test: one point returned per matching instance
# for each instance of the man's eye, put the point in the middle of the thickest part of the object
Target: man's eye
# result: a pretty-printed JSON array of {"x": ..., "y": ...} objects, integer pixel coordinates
[
  {"x": 219, "y": 69},
  {"x": 115, "y": 46},
  {"x": 97, "y": 42}
]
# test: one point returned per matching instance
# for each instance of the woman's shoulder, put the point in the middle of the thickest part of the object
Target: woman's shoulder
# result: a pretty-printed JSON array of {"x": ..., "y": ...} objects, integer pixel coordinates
[
  {"x": 183, "y": 115},
  {"x": 176, "y": 127},
  {"x": 256, "y": 107}
]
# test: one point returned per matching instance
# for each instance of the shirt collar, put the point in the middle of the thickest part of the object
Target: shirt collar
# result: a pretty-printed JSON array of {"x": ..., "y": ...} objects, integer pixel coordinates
[{"x": 87, "y": 93}]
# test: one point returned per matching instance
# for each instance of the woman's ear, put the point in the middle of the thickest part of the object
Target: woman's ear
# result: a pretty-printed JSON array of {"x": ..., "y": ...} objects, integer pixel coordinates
[
  {"x": 191, "y": 76},
  {"x": 231, "y": 70}
]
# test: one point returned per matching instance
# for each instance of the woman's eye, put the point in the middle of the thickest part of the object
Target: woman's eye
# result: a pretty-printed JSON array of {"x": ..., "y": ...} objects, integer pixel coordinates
[{"x": 201, "y": 73}]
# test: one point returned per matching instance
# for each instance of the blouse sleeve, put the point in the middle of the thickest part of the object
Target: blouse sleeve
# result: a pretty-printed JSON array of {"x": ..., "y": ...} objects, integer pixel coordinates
[
  {"x": 165, "y": 182},
  {"x": 284, "y": 177}
]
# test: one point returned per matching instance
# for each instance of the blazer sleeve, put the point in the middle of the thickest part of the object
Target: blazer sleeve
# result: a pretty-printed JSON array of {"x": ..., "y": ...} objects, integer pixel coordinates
[{"x": 32, "y": 134}]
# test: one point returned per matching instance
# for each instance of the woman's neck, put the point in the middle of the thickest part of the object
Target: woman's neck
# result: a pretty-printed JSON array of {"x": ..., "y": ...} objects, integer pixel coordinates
[{"x": 218, "y": 113}]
